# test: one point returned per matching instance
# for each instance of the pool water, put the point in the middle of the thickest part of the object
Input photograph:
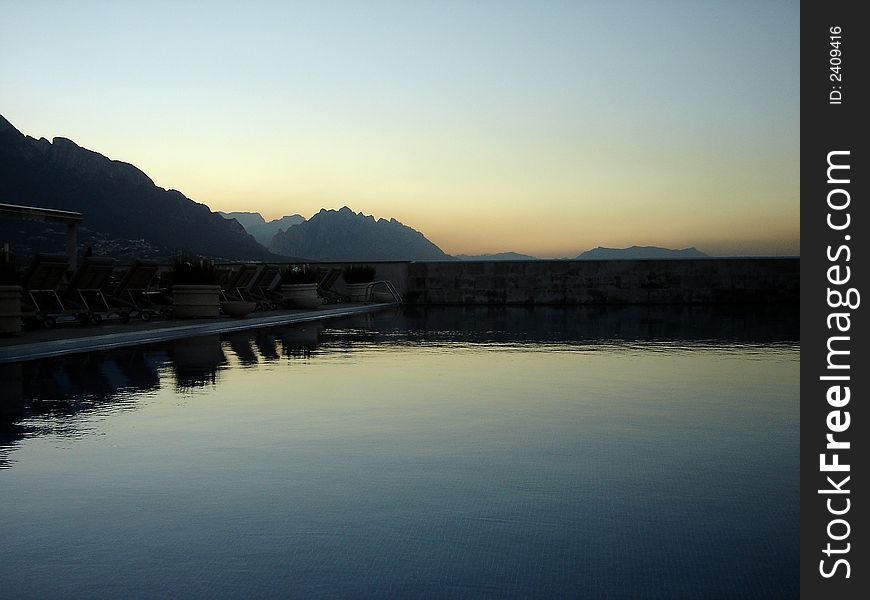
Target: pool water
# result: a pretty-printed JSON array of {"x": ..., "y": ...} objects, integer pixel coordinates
[{"x": 620, "y": 453}]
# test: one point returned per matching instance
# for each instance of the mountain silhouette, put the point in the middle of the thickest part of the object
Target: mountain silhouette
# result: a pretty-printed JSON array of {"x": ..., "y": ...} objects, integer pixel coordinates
[
  {"x": 262, "y": 230},
  {"x": 496, "y": 256},
  {"x": 336, "y": 235},
  {"x": 119, "y": 202},
  {"x": 639, "y": 253}
]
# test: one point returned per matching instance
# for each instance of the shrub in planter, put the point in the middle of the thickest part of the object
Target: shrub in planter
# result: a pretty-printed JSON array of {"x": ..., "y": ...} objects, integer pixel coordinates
[
  {"x": 299, "y": 287},
  {"x": 187, "y": 270},
  {"x": 297, "y": 275},
  {"x": 10, "y": 295},
  {"x": 358, "y": 279},
  {"x": 195, "y": 293}
]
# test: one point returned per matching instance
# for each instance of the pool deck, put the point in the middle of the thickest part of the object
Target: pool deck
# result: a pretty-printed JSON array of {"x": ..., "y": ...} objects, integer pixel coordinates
[{"x": 47, "y": 343}]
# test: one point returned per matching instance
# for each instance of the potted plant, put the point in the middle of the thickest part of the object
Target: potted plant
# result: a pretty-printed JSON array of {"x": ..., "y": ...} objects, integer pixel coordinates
[
  {"x": 299, "y": 287},
  {"x": 359, "y": 280},
  {"x": 195, "y": 292},
  {"x": 10, "y": 295}
]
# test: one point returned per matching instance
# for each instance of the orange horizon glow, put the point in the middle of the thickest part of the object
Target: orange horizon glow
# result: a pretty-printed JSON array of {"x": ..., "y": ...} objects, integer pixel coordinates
[{"x": 545, "y": 130}]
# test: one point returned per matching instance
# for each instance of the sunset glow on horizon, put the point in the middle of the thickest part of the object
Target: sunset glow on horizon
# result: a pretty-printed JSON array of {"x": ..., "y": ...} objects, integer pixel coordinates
[{"x": 545, "y": 129}]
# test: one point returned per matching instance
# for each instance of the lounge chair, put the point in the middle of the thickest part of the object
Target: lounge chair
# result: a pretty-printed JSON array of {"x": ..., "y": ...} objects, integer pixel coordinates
[
  {"x": 325, "y": 286},
  {"x": 249, "y": 283},
  {"x": 239, "y": 282},
  {"x": 223, "y": 274},
  {"x": 263, "y": 288},
  {"x": 85, "y": 289},
  {"x": 134, "y": 293},
  {"x": 41, "y": 282}
]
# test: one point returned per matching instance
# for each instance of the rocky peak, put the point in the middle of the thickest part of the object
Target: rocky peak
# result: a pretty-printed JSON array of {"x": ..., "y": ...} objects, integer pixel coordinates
[{"x": 5, "y": 125}]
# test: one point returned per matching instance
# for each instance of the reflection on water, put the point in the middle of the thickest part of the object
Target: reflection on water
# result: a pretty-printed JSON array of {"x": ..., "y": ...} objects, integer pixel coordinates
[
  {"x": 67, "y": 385},
  {"x": 600, "y": 323},
  {"x": 626, "y": 452},
  {"x": 195, "y": 361}
]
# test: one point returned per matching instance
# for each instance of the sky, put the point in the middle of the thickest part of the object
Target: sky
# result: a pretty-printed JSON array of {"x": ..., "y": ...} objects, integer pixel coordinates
[{"x": 546, "y": 128}]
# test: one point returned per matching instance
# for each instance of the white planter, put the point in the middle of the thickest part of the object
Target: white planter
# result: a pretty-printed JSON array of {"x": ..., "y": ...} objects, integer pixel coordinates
[
  {"x": 301, "y": 295},
  {"x": 359, "y": 292},
  {"x": 10, "y": 309},
  {"x": 195, "y": 301}
]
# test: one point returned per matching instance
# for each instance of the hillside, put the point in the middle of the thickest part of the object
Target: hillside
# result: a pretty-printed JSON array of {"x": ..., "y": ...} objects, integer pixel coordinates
[{"x": 119, "y": 202}]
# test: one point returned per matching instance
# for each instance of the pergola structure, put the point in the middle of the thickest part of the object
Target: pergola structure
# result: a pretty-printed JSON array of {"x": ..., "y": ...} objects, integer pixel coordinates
[{"x": 49, "y": 215}]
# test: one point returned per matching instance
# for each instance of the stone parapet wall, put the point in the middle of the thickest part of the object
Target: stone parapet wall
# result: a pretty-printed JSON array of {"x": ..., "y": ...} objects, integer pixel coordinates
[{"x": 694, "y": 281}]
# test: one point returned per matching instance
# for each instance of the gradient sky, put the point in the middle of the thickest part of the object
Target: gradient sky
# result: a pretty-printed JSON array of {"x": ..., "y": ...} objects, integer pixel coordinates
[{"x": 539, "y": 127}]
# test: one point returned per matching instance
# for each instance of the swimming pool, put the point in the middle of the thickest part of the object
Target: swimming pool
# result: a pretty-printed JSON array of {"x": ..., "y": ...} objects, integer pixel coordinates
[{"x": 548, "y": 452}]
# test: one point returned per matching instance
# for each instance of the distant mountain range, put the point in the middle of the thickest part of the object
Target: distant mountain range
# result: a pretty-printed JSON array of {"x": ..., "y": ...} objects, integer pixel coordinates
[
  {"x": 262, "y": 230},
  {"x": 320, "y": 243},
  {"x": 497, "y": 256},
  {"x": 126, "y": 215},
  {"x": 118, "y": 201},
  {"x": 639, "y": 253},
  {"x": 337, "y": 235}
]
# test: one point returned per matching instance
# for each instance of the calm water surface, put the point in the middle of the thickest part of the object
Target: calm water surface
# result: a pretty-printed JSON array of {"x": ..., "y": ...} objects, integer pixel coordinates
[{"x": 579, "y": 453}]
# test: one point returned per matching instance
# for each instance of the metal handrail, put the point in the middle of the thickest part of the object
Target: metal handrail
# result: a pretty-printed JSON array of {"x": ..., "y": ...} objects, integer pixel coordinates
[{"x": 390, "y": 288}]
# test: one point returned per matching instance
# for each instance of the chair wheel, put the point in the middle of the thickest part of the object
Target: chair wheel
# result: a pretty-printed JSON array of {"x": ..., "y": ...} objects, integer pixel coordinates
[
  {"x": 145, "y": 315},
  {"x": 49, "y": 322}
]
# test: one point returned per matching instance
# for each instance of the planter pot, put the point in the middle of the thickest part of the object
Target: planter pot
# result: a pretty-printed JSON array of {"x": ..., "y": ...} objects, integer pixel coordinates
[
  {"x": 238, "y": 308},
  {"x": 10, "y": 309},
  {"x": 195, "y": 301},
  {"x": 359, "y": 292},
  {"x": 301, "y": 295}
]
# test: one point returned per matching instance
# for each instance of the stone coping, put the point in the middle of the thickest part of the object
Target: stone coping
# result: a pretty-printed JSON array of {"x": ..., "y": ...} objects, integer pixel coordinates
[{"x": 91, "y": 339}]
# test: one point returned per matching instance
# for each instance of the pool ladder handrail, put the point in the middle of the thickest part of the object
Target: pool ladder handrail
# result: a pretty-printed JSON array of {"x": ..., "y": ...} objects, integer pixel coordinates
[{"x": 390, "y": 288}]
